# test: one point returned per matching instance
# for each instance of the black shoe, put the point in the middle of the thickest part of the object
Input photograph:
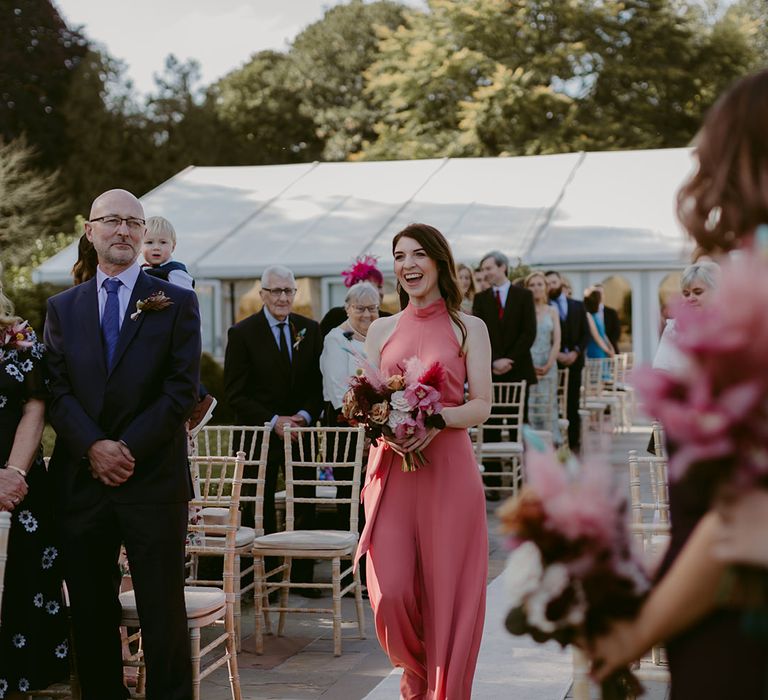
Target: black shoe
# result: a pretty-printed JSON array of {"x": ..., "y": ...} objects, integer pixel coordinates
[
  {"x": 492, "y": 496},
  {"x": 309, "y": 592}
]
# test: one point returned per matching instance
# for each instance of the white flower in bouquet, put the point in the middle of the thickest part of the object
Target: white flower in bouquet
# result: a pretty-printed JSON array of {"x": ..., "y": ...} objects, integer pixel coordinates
[
  {"x": 553, "y": 583},
  {"x": 397, "y": 418},
  {"x": 522, "y": 574},
  {"x": 399, "y": 402}
]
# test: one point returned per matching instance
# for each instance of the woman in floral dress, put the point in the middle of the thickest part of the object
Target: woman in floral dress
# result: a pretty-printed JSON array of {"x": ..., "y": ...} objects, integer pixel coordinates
[{"x": 34, "y": 646}]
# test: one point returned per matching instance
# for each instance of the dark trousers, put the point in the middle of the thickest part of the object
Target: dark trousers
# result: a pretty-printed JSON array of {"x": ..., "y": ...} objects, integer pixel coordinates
[
  {"x": 302, "y": 570},
  {"x": 154, "y": 538},
  {"x": 574, "y": 397}
]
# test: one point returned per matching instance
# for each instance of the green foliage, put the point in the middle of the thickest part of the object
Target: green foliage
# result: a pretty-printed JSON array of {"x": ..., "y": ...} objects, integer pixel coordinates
[
  {"x": 38, "y": 54},
  {"x": 212, "y": 378},
  {"x": 262, "y": 108},
  {"x": 331, "y": 57}
]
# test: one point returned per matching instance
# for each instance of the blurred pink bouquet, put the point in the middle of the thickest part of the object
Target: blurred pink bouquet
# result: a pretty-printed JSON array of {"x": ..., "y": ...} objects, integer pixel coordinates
[
  {"x": 572, "y": 571},
  {"x": 17, "y": 336},
  {"x": 400, "y": 406},
  {"x": 715, "y": 410}
]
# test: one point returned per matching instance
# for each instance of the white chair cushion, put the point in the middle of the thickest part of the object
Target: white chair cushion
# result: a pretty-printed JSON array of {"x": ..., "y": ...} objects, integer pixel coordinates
[
  {"x": 243, "y": 537},
  {"x": 307, "y": 539},
  {"x": 217, "y": 516},
  {"x": 199, "y": 601}
]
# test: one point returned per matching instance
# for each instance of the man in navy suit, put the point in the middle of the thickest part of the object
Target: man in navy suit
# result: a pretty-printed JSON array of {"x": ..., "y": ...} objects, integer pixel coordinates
[
  {"x": 573, "y": 342},
  {"x": 122, "y": 384}
]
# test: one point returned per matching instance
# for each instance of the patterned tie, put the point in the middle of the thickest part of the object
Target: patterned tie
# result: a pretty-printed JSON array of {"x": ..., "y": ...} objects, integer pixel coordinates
[
  {"x": 110, "y": 321},
  {"x": 284, "y": 344},
  {"x": 498, "y": 303}
]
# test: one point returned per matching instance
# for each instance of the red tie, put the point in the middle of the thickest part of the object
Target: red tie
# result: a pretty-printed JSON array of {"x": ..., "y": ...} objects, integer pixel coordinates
[{"x": 498, "y": 303}]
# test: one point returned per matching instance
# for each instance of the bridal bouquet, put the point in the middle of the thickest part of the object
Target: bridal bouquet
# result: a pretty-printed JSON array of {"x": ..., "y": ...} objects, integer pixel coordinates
[
  {"x": 715, "y": 410},
  {"x": 572, "y": 571},
  {"x": 400, "y": 406}
]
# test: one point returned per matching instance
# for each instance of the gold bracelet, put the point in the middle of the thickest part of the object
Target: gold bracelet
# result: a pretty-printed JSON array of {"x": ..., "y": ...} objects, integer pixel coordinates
[{"x": 19, "y": 470}]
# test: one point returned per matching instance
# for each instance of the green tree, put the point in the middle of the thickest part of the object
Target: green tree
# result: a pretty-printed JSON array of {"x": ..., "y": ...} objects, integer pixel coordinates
[
  {"x": 331, "y": 57},
  {"x": 38, "y": 54},
  {"x": 262, "y": 110},
  {"x": 30, "y": 204}
]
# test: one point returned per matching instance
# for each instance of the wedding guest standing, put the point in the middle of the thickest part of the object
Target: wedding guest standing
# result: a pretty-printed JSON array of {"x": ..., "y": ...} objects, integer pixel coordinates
[
  {"x": 542, "y": 405},
  {"x": 509, "y": 315},
  {"x": 122, "y": 385},
  {"x": 85, "y": 265},
  {"x": 573, "y": 341},
  {"x": 34, "y": 649},
  {"x": 466, "y": 286},
  {"x": 272, "y": 375},
  {"x": 426, "y": 534},
  {"x": 610, "y": 319},
  {"x": 712, "y": 654}
]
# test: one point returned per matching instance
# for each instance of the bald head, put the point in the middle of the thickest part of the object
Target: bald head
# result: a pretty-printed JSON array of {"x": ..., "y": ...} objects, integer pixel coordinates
[{"x": 104, "y": 204}]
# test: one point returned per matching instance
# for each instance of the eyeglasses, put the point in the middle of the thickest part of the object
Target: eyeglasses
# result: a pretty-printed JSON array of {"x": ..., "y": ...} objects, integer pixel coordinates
[
  {"x": 277, "y": 292},
  {"x": 362, "y": 309},
  {"x": 113, "y": 221}
]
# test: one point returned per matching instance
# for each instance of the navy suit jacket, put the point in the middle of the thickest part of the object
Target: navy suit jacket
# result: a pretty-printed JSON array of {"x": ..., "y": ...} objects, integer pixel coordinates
[
  {"x": 574, "y": 331},
  {"x": 144, "y": 401}
]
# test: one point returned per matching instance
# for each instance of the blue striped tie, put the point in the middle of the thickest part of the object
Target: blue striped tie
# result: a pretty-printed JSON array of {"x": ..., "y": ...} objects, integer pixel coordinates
[{"x": 110, "y": 321}]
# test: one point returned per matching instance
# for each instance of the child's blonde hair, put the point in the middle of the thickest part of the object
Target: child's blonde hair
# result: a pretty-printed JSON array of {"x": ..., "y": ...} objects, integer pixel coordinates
[{"x": 160, "y": 226}]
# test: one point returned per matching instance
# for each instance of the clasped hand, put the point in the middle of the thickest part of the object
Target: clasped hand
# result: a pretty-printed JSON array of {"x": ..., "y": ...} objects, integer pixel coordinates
[
  {"x": 13, "y": 489},
  {"x": 412, "y": 444},
  {"x": 111, "y": 462},
  {"x": 502, "y": 365},
  {"x": 294, "y": 421}
]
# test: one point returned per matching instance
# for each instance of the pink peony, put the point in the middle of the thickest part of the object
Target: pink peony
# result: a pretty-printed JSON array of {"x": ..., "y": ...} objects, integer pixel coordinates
[{"x": 410, "y": 427}]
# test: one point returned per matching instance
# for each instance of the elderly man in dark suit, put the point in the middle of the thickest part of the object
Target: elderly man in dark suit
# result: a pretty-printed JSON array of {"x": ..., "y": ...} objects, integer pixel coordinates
[
  {"x": 124, "y": 365},
  {"x": 573, "y": 342},
  {"x": 510, "y": 314},
  {"x": 272, "y": 375}
]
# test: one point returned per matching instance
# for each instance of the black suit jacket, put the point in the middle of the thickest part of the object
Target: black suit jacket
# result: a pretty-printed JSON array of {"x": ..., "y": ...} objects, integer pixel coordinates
[
  {"x": 144, "y": 401},
  {"x": 612, "y": 326},
  {"x": 574, "y": 332},
  {"x": 258, "y": 385},
  {"x": 513, "y": 334}
]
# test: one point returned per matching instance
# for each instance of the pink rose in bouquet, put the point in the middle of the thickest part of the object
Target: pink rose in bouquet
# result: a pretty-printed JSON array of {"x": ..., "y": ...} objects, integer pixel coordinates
[
  {"x": 399, "y": 407},
  {"x": 572, "y": 572}
]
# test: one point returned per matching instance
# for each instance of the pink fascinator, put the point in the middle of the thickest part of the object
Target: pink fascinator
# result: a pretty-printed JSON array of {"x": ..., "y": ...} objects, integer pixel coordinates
[{"x": 363, "y": 270}]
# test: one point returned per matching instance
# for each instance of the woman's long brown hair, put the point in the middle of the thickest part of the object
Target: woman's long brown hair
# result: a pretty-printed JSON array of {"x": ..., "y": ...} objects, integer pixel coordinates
[
  {"x": 727, "y": 197},
  {"x": 437, "y": 248}
]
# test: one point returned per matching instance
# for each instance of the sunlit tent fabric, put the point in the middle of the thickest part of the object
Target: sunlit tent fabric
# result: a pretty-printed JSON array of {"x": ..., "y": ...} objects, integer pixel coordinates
[
  {"x": 578, "y": 208},
  {"x": 590, "y": 215}
]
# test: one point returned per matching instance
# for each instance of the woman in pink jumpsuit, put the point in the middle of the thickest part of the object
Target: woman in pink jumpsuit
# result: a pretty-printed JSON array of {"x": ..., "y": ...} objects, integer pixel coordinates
[{"x": 426, "y": 534}]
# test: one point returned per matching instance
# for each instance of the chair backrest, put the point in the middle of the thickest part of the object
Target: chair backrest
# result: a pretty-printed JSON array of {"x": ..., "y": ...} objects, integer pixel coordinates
[
  {"x": 562, "y": 391},
  {"x": 220, "y": 482},
  {"x": 317, "y": 448},
  {"x": 593, "y": 378},
  {"x": 657, "y": 488},
  {"x": 5, "y": 529},
  {"x": 253, "y": 441},
  {"x": 507, "y": 409},
  {"x": 659, "y": 447}
]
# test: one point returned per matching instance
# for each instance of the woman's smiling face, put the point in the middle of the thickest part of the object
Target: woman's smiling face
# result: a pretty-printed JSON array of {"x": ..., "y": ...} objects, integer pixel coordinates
[{"x": 415, "y": 270}]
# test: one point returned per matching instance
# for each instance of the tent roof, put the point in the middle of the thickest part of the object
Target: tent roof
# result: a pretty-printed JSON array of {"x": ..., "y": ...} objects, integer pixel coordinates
[{"x": 573, "y": 209}]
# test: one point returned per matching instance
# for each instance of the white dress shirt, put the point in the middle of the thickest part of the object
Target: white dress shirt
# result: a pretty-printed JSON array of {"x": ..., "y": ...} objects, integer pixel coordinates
[
  {"x": 128, "y": 278},
  {"x": 503, "y": 291}
]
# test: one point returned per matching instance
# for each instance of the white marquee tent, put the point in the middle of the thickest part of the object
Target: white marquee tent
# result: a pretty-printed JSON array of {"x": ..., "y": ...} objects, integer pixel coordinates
[{"x": 592, "y": 215}]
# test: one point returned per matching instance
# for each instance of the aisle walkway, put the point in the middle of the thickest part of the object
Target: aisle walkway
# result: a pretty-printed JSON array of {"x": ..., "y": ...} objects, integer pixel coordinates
[{"x": 301, "y": 665}]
